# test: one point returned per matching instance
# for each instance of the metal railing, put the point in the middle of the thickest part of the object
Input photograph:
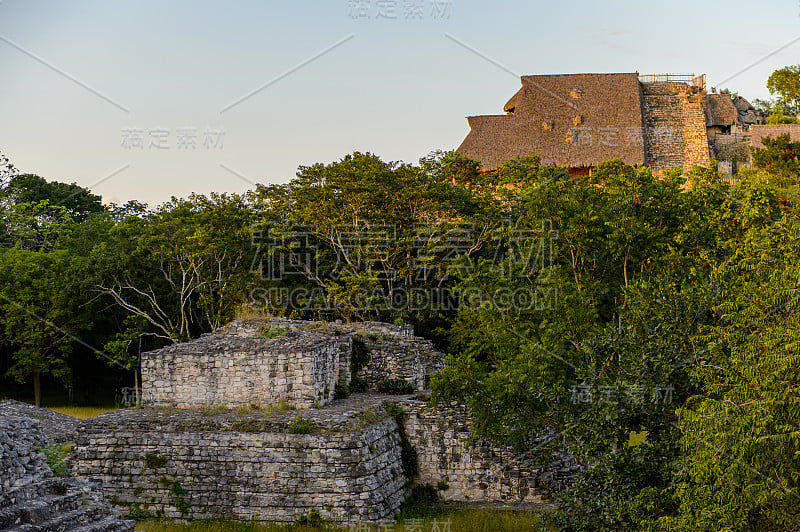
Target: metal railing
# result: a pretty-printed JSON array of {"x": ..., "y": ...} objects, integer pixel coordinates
[{"x": 690, "y": 79}]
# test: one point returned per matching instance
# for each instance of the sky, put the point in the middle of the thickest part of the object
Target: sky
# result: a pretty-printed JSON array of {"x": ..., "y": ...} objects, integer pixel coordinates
[{"x": 149, "y": 99}]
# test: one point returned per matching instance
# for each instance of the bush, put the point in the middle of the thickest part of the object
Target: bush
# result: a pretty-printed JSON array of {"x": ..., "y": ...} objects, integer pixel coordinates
[
  {"x": 359, "y": 356},
  {"x": 396, "y": 386},
  {"x": 313, "y": 519},
  {"x": 301, "y": 425},
  {"x": 341, "y": 391},
  {"x": 409, "y": 458},
  {"x": 269, "y": 332},
  {"x": 178, "y": 496},
  {"x": 154, "y": 461},
  {"x": 408, "y": 453},
  {"x": 56, "y": 456},
  {"x": 421, "y": 503},
  {"x": 357, "y": 384}
]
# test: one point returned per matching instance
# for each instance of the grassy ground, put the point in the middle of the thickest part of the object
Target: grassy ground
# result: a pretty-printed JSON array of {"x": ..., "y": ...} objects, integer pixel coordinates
[
  {"x": 81, "y": 412},
  {"x": 447, "y": 520}
]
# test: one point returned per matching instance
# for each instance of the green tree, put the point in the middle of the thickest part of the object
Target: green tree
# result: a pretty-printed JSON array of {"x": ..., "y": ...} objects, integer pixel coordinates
[
  {"x": 183, "y": 268},
  {"x": 39, "y": 313},
  {"x": 632, "y": 267},
  {"x": 779, "y": 158},
  {"x": 366, "y": 222},
  {"x": 741, "y": 431},
  {"x": 7, "y": 170},
  {"x": 78, "y": 202},
  {"x": 784, "y": 84}
]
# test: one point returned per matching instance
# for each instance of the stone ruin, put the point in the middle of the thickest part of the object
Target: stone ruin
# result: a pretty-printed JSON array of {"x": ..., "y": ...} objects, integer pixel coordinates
[
  {"x": 236, "y": 426},
  {"x": 234, "y": 367},
  {"x": 31, "y": 497}
]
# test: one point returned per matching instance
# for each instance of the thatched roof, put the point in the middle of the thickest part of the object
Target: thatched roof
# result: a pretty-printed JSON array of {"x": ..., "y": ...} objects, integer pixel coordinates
[
  {"x": 719, "y": 110},
  {"x": 572, "y": 120},
  {"x": 511, "y": 104},
  {"x": 774, "y": 130},
  {"x": 742, "y": 105}
]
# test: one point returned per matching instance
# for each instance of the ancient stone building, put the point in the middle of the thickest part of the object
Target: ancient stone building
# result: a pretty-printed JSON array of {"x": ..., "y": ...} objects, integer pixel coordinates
[
  {"x": 234, "y": 366},
  {"x": 233, "y": 452},
  {"x": 580, "y": 120}
]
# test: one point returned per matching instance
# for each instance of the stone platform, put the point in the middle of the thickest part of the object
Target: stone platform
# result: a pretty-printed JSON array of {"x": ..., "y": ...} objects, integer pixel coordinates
[{"x": 249, "y": 465}]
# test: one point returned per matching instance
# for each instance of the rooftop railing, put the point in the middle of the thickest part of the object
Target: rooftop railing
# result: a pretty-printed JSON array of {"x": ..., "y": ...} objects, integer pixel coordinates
[{"x": 689, "y": 79}]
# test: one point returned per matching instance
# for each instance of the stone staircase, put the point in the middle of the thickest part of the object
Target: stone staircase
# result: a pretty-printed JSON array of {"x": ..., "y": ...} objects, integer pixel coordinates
[
  {"x": 675, "y": 132},
  {"x": 33, "y": 500},
  {"x": 53, "y": 506}
]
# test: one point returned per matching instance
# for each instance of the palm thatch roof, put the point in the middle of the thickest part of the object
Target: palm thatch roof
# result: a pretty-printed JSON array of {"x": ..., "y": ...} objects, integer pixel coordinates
[
  {"x": 719, "y": 110},
  {"x": 573, "y": 120},
  {"x": 742, "y": 105},
  {"x": 773, "y": 130}
]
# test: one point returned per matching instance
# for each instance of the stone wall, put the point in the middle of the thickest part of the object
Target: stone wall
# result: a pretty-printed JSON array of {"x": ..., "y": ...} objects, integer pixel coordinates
[
  {"x": 186, "y": 465},
  {"x": 695, "y": 139},
  {"x": 482, "y": 474},
  {"x": 302, "y": 368},
  {"x": 675, "y": 128},
  {"x": 394, "y": 351},
  {"x": 391, "y": 360},
  {"x": 31, "y": 497},
  {"x": 731, "y": 151},
  {"x": 21, "y": 461},
  {"x": 56, "y": 427}
]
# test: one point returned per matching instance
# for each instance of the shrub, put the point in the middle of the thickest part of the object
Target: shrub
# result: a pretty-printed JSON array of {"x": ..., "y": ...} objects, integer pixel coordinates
[
  {"x": 178, "y": 495},
  {"x": 357, "y": 384},
  {"x": 154, "y": 461},
  {"x": 56, "y": 457},
  {"x": 301, "y": 425},
  {"x": 269, "y": 332},
  {"x": 359, "y": 356},
  {"x": 408, "y": 453},
  {"x": 409, "y": 458},
  {"x": 341, "y": 391},
  {"x": 396, "y": 386},
  {"x": 421, "y": 502},
  {"x": 313, "y": 519}
]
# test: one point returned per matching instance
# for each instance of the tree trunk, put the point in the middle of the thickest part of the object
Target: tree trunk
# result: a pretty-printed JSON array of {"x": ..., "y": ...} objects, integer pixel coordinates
[
  {"x": 136, "y": 386},
  {"x": 37, "y": 389}
]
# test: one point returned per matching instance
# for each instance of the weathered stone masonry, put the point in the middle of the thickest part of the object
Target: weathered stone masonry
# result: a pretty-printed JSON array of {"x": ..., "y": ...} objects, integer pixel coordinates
[
  {"x": 145, "y": 460},
  {"x": 395, "y": 352},
  {"x": 225, "y": 369},
  {"x": 32, "y": 499},
  {"x": 244, "y": 462},
  {"x": 482, "y": 473}
]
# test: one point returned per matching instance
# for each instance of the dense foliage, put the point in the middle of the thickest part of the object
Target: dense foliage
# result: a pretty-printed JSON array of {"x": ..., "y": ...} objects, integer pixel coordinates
[{"x": 645, "y": 324}]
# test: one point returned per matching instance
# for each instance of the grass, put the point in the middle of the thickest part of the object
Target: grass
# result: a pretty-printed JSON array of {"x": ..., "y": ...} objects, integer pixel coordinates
[
  {"x": 269, "y": 332},
  {"x": 279, "y": 407},
  {"x": 471, "y": 520},
  {"x": 81, "y": 412}
]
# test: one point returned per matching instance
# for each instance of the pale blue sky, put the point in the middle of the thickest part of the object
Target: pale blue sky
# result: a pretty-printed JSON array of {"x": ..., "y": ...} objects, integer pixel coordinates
[{"x": 398, "y": 87}]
